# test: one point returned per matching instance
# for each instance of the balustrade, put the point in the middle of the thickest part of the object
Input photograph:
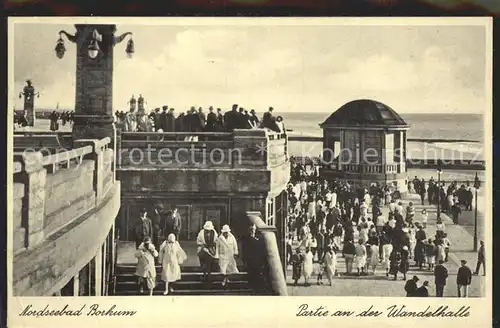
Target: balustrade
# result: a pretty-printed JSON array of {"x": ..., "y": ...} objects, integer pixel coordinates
[
  {"x": 52, "y": 190},
  {"x": 242, "y": 148}
]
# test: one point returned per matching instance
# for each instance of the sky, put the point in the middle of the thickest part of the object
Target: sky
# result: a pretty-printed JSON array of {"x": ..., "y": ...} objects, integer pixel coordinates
[{"x": 293, "y": 68}]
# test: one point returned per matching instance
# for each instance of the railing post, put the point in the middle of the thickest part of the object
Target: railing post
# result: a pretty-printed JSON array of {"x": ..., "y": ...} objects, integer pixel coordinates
[
  {"x": 33, "y": 177},
  {"x": 276, "y": 273},
  {"x": 98, "y": 159}
]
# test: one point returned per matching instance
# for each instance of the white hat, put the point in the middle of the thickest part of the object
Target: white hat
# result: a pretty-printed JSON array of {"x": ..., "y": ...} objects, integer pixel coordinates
[
  {"x": 226, "y": 228},
  {"x": 405, "y": 248},
  {"x": 171, "y": 238},
  {"x": 208, "y": 225}
]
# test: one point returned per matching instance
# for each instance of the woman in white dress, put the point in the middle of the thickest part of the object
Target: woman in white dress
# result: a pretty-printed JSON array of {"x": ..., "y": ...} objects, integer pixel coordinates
[
  {"x": 171, "y": 257},
  {"x": 146, "y": 270},
  {"x": 413, "y": 241},
  {"x": 331, "y": 263},
  {"x": 227, "y": 251},
  {"x": 307, "y": 266},
  {"x": 374, "y": 253},
  {"x": 360, "y": 257}
]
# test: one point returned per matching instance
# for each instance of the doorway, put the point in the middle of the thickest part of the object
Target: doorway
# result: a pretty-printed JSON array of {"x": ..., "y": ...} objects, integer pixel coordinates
[{"x": 193, "y": 216}]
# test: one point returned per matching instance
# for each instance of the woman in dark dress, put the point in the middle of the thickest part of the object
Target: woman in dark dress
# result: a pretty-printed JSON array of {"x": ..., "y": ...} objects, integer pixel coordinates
[
  {"x": 405, "y": 263},
  {"x": 395, "y": 260},
  {"x": 207, "y": 249}
]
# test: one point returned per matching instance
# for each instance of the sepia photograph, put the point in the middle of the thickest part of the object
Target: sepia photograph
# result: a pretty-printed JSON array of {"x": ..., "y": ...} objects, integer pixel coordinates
[{"x": 249, "y": 159}]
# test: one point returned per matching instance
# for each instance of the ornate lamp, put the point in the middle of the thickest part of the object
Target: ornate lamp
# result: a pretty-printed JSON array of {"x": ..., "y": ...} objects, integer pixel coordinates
[{"x": 94, "y": 44}]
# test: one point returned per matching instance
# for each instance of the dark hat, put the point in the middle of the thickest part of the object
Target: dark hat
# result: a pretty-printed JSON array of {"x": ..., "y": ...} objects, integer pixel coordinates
[
  {"x": 143, "y": 210},
  {"x": 165, "y": 107},
  {"x": 426, "y": 283},
  {"x": 159, "y": 206},
  {"x": 415, "y": 278},
  {"x": 463, "y": 261},
  {"x": 270, "y": 108},
  {"x": 147, "y": 239},
  {"x": 252, "y": 110}
]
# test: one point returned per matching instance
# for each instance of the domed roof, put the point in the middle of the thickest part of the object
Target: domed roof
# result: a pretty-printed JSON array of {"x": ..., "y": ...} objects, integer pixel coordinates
[{"x": 364, "y": 112}]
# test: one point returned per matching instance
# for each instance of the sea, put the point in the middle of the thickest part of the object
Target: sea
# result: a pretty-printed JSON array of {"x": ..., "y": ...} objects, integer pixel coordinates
[{"x": 467, "y": 127}]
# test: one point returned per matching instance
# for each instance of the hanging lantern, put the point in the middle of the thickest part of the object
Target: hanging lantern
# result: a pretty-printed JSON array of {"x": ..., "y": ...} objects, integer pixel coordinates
[
  {"x": 130, "y": 48},
  {"x": 93, "y": 49},
  {"x": 60, "y": 48}
]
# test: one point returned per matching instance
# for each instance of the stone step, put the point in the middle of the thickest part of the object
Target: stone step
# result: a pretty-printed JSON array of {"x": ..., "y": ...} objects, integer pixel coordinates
[
  {"x": 194, "y": 292},
  {"x": 186, "y": 285},
  {"x": 186, "y": 276}
]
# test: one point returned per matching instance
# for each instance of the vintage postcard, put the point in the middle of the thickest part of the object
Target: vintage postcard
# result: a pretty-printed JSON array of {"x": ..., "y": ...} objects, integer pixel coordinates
[{"x": 189, "y": 171}]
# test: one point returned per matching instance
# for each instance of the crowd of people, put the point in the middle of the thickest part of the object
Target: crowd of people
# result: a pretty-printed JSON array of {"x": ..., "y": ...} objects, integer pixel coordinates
[
  {"x": 196, "y": 120},
  {"x": 325, "y": 219},
  {"x": 66, "y": 117},
  {"x": 157, "y": 241}
]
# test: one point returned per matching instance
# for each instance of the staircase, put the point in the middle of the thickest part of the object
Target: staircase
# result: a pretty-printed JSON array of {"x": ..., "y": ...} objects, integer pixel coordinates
[{"x": 190, "y": 284}]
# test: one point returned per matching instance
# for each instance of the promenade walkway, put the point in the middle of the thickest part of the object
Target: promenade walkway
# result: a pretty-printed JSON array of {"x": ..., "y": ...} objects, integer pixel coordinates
[{"x": 380, "y": 285}]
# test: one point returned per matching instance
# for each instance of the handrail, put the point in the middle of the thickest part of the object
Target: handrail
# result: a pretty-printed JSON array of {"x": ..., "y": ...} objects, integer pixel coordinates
[
  {"x": 38, "y": 133},
  {"x": 177, "y": 134},
  {"x": 67, "y": 155},
  {"x": 167, "y": 143}
]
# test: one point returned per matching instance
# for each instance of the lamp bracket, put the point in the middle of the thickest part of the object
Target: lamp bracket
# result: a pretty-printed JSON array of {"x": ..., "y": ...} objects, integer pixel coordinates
[
  {"x": 120, "y": 38},
  {"x": 70, "y": 37}
]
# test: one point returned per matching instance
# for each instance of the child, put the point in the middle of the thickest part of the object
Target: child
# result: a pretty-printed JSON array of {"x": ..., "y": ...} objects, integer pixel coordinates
[
  {"x": 297, "y": 260},
  {"x": 307, "y": 266},
  {"x": 424, "y": 218},
  {"x": 146, "y": 270},
  {"x": 430, "y": 254}
]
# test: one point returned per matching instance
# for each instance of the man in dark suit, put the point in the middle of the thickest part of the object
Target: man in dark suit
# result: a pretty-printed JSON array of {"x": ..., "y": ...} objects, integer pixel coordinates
[
  {"x": 440, "y": 276},
  {"x": 255, "y": 261},
  {"x": 411, "y": 287},
  {"x": 230, "y": 119},
  {"x": 162, "y": 119},
  {"x": 481, "y": 259},
  {"x": 158, "y": 218},
  {"x": 220, "y": 121},
  {"x": 211, "y": 120},
  {"x": 172, "y": 224},
  {"x": 143, "y": 229},
  {"x": 464, "y": 279},
  {"x": 170, "y": 121}
]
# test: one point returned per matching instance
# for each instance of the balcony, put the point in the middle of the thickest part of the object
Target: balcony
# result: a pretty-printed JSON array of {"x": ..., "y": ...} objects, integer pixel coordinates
[
  {"x": 206, "y": 150},
  {"x": 370, "y": 168},
  {"x": 64, "y": 205}
]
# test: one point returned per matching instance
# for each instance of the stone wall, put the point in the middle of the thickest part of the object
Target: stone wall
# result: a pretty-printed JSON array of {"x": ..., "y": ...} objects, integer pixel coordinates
[
  {"x": 17, "y": 224},
  {"x": 193, "y": 180},
  {"x": 69, "y": 194},
  {"x": 49, "y": 266},
  {"x": 63, "y": 212}
]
